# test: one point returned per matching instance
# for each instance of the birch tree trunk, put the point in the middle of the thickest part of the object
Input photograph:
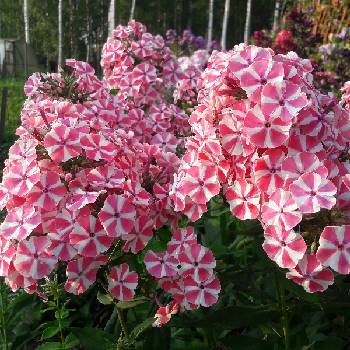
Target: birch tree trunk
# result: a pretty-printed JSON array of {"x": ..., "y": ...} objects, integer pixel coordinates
[
  {"x": 111, "y": 17},
  {"x": 247, "y": 21},
  {"x": 224, "y": 24},
  {"x": 26, "y": 35},
  {"x": 132, "y": 11},
  {"x": 60, "y": 46},
  {"x": 276, "y": 16},
  {"x": 88, "y": 29},
  {"x": 210, "y": 24}
]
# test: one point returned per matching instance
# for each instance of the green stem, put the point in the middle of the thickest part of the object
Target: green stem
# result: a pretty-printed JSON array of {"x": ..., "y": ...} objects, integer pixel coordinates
[
  {"x": 282, "y": 303},
  {"x": 3, "y": 324},
  {"x": 59, "y": 319},
  {"x": 122, "y": 323}
]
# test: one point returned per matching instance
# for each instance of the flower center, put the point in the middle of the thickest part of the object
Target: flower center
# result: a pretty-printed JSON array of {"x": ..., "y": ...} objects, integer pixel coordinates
[
  {"x": 313, "y": 193},
  {"x": 281, "y": 103},
  {"x": 200, "y": 182},
  {"x": 267, "y": 125},
  {"x": 272, "y": 170}
]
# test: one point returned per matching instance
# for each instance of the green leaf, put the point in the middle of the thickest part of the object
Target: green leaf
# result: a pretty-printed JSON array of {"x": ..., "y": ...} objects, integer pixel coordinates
[
  {"x": 50, "y": 331},
  {"x": 63, "y": 313},
  {"x": 132, "y": 303},
  {"x": 50, "y": 346},
  {"x": 93, "y": 338},
  {"x": 232, "y": 317},
  {"x": 139, "y": 329},
  {"x": 71, "y": 341},
  {"x": 105, "y": 299},
  {"x": 241, "y": 342}
]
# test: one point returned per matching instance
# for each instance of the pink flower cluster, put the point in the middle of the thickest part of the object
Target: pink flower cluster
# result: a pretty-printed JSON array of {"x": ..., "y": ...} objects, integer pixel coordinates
[
  {"x": 346, "y": 95},
  {"x": 185, "y": 271},
  {"x": 192, "y": 66},
  {"x": 144, "y": 72},
  {"x": 277, "y": 149},
  {"x": 77, "y": 181}
]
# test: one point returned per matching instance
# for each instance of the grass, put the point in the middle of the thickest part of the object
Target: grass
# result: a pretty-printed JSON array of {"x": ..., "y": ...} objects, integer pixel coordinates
[{"x": 15, "y": 99}]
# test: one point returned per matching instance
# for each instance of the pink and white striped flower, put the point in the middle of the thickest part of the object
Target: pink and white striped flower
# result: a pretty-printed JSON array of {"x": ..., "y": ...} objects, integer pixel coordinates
[
  {"x": 305, "y": 162},
  {"x": 311, "y": 275},
  {"x": 204, "y": 293},
  {"x": 311, "y": 192},
  {"x": 181, "y": 239},
  {"x": 334, "y": 248},
  {"x": 244, "y": 199},
  {"x": 267, "y": 170},
  {"x": 197, "y": 261},
  {"x": 79, "y": 198},
  {"x": 160, "y": 264},
  {"x": 138, "y": 238},
  {"x": 122, "y": 282},
  {"x": 20, "y": 222},
  {"x": 201, "y": 183},
  {"x": 7, "y": 254},
  {"x": 97, "y": 147},
  {"x": 21, "y": 177},
  {"x": 32, "y": 259},
  {"x": 285, "y": 247},
  {"x": 144, "y": 72},
  {"x": 81, "y": 273},
  {"x": 265, "y": 130},
  {"x": 283, "y": 100},
  {"x": 281, "y": 210},
  {"x": 88, "y": 237},
  {"x": 106, "y": 176},
  {"x": 258, "y": 74},
  {"x": 117, "y": 215},
  {"x": 62, "y": 143},
  {"x": 48, "y": 192}
]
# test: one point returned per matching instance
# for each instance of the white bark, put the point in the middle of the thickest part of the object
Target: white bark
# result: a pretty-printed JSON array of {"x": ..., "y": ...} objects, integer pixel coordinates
[
  {"x": 247, "y": 21},
  {"x": 210, "y": 24},
  {"x": 26, "y": 21},
  {"x": 60, "y": 44},
  {"x": 132, "y": 11},
  {"x": 224, "y": 24},
  {"x": 276, "y": 16},
  {"x": 111, "y": 17}
]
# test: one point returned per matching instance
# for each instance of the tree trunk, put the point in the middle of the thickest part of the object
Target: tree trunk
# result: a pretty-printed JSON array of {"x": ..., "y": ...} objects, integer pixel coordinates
[
  {"x": 88, "y": 31},
  {"x": 132, "y": 11},
  {"x": 276, "y": 16},
  {"x": 224, "y": 24},
  {"x": 210, "y": 24},
  {"x": 60, "y": 44},
  {"x": 26, "y": 35},
  {"x": 111, "y": 17},
  {"x": 247, "y": 21}
]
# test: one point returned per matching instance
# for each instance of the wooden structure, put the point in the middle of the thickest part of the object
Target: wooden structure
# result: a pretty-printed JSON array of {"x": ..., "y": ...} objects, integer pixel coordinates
[{"x": 330, "y": 16}]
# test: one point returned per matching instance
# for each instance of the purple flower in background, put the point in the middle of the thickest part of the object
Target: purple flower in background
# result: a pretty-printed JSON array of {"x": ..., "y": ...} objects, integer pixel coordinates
[
  {"x": 344, "y": 34},
  {"x": 199, "y": 42}
]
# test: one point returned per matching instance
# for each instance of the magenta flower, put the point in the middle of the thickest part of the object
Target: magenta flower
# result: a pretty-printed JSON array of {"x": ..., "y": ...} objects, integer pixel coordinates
[
  {"x": 312, "y": 192},
  {"x": 244, "y": 199},
  {"x": 284, "y": 247},
  {"x": 122, "y": 282},
  {"x": 32, "y": 259},
  {"x": 281, "y": 210},
  {"x": 203, "y": 293},
  {"x": 334, "y": 248},
  {"x": 117, "y": 215},
  {"x": 311, "y": 275},
  {"x": 283, "y": 100}
]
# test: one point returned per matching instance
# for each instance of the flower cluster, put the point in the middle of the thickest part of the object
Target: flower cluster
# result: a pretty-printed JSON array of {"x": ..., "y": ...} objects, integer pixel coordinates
[
  {"x": 185, "y": 271},
  {"x": 77, "y": 181},
  {"x": 144, "y": 71},
  {"x": 188, "y": 42},
  {"x": 192, "y": 66},
  {"x": 277, "y": 148}
]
